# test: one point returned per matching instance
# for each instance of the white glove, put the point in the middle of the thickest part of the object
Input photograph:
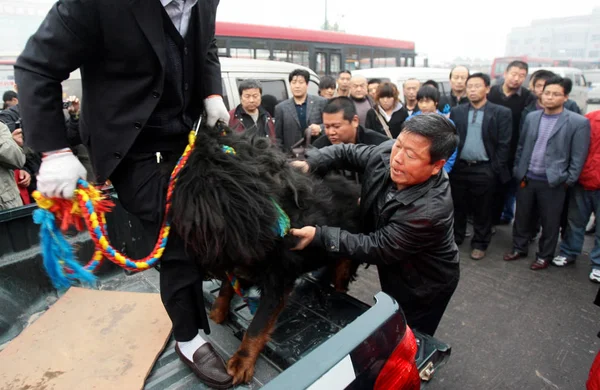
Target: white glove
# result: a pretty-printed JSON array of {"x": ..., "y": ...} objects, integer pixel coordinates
[
  {"x": 59, "y": 173},
  {"x": 215, "y": 110}
]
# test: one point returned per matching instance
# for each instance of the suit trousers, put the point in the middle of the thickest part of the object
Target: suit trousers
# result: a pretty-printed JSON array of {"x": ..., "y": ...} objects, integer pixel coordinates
[
  {"x": 473, "y": 190},
  {"x": 535, "y": 199},
  {"x": 141, "y": 185}
]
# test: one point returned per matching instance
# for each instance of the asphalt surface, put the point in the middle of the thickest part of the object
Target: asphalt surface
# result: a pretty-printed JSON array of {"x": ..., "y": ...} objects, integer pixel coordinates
[{"x": 513, "y": 328}]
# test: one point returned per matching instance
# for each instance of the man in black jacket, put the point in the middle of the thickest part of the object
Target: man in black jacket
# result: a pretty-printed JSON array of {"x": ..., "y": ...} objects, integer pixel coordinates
[
  {"x": 484, "y": 130},
  {"x": 458, "y": 91},
  {"x": 161, "y": 58},
  {"x": 406, "y": 213}
]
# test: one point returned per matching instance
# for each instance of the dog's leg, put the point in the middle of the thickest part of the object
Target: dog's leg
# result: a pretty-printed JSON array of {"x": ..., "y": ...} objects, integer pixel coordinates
[
  {"x": 241, "y": 364},
  {"x": 342, "y": 275},
  {"x": 220, "y": 308}
]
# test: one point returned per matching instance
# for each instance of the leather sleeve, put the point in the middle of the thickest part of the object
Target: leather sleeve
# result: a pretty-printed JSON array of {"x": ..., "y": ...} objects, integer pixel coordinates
[
  {"x": 350, "y": 157},
  {"x": 68, "y": 36}
]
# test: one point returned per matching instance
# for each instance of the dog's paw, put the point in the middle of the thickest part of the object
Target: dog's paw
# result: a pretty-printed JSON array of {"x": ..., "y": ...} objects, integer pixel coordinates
[
  {"x": 219, "y": 312},
  {"x": 241, "y": 367}
]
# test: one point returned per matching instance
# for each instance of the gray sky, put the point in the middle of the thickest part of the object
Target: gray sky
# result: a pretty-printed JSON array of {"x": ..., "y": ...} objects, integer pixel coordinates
[{"x": 441, "y": 29}]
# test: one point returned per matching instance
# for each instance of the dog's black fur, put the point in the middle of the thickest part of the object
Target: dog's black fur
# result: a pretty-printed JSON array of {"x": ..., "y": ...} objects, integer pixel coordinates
[{"x": 223, "y": 208}]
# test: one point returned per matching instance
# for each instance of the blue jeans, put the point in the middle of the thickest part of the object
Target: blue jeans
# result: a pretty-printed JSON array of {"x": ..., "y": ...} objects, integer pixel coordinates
[
  {"x": 582, "y": 204},
  {"x": 508, "y": 213}
]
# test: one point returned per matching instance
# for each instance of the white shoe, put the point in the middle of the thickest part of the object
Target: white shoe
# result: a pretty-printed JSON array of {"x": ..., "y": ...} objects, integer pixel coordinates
[
  {"x": 595, "y": 275},
  {"x": 561, "y": 261}
]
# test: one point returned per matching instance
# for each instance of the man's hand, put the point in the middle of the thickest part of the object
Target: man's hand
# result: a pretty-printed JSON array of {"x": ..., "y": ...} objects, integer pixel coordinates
[
  {"x": 215, "y": 110},
  {"x": 315, "y": 130},
  {"x": 18, "y": 136},
  {"x": 301, "y": 165},
  {"x": 24, "y": 179},
  {"x": 59, "y": 173},
  {"x": 74, "y": 107},
  {"x": 306, "y": 235}
]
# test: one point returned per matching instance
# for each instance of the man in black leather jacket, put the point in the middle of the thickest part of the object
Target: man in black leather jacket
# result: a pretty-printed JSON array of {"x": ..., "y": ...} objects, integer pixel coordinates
[{"x": 406, "y": 215}]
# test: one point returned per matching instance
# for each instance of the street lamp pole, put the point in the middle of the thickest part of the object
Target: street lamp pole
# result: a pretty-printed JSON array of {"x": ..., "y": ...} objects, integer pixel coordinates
[{"x": 326, "y": 25}]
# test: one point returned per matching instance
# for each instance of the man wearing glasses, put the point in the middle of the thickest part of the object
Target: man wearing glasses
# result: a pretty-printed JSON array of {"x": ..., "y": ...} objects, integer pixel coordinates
[
  {"x": 484, "y": 131},
  {"x": 549, "y": 159}
]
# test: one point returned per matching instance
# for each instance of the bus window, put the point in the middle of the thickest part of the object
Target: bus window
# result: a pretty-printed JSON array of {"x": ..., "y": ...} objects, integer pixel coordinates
[
  {"x": 335, "y": 63},
  {"x": 240, "y": 49},
  {"x": 351, "y": 54},
  {"x": 222, "y": 45},
  {"x": 321, "y": 65}
]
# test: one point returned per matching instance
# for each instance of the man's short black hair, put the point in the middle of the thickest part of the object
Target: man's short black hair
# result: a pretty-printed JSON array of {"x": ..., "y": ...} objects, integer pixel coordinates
[
  {"x": 341, "y": 104},
  {"x": 374, "y": 81},
  {"x": 541, "y": 74},
  {"x": 459, "y": 66},
  {"x": 439, "y": 130},
  {"x": 568, "y": 85},
  {"x": 428, "y": 92},
  {"x": 479, "y": 75},
  {"x": 249, "y": 84},
  {"x": 433, "y": 83},
  {"x": 557, "y": 80},
  {"x": 327, "y": 82},
  {"x": 301, "y": 73},
  {"x": 341, "y": 72},
  {"x": 8, "y": 96},
  {"x": 518, "y": 64}
]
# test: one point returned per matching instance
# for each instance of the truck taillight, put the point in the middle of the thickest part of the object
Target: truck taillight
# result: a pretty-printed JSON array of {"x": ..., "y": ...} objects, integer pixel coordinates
[{"x": 400, "y": 371}]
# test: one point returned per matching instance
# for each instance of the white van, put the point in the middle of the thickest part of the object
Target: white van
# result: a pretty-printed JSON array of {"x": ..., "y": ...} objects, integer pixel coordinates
[
  {"x": 398, "y": 75},
  {"x": 579, "y": 93},
  {"x": 273, "y": 76}
]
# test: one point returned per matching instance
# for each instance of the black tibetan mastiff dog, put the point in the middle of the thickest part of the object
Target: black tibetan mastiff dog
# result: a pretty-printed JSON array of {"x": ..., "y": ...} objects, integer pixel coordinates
[{"x": 227, "y": 206}]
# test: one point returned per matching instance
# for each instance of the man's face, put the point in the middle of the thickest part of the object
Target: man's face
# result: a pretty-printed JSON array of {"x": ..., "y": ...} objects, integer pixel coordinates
[
  {"x": 410, "y": 160},
  {"x": 476, "y": 90},
  {"x": 427, "y": 106},
  {"x": 251, "y": 99},
  {"x": 327, "y": 93},
  {"x": 373, "y": 89},
  {"x": 458, "y": 80},
  {"x": 299, "y": 86},
  {"x": 553, "y": 97},
  {"x": 514, "y": 77},
  {"x": 11, "y": 103},
  {"x": 344, "y": 81},
  {"x": 411, "y": 87},
  {"x": 340, "y": 130},
  {"x": 538, "y": 88},
  {"x": 358, "y": 87}
]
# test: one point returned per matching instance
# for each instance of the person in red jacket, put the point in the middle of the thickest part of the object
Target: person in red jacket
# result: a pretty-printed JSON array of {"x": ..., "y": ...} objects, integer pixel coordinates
[{"x": 584, "y": 200}]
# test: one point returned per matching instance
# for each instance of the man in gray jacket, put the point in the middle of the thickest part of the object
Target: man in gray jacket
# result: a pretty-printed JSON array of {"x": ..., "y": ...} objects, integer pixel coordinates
[
  {"x": 552, "y": 150},
  {"x": 11, "y": 157}
]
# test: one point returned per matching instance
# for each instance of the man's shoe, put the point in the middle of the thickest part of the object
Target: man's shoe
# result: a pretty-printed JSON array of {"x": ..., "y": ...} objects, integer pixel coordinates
[
  {"x": 561, "y": 261},
  {"x": 595, "y": 275},
  {"x": 208, "y": 366},
  {"x": 514, "y": 255},
  {"x": 539, "y": 264},
  {"x": 477, "y": 254}
]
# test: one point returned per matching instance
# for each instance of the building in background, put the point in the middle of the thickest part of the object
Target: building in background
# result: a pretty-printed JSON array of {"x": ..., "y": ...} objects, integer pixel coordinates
[{"x": 571, "y": 41}]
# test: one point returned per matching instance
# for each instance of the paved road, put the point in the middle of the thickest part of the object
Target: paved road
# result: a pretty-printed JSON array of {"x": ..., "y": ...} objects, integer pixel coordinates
[{"x": 513, "y": 328}]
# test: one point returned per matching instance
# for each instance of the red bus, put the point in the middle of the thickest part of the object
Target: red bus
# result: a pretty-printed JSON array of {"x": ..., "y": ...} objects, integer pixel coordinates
[
  {"x": 326, "y": 52},
  {"x": 501, "y": 63}
]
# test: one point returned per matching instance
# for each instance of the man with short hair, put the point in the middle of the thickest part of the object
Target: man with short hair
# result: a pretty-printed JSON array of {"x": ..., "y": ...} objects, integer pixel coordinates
[
  {"x": 512, "y": 95},
  {"x": 343, "y": 83},
  {"x": 295, "y": 115},
  {"x": 549, "y": 159},
  {"x": 406, "y": 216},
  {"x": 10, "y": 99},
  {"x": 360, "y": 97},
  {"x": 249, "y": 115},
  {"x": 484, "y": 130},
  {"x": 410, "y": 89},
  {"x": 458, "y": 92},
  {"x": 372, "y": 88}
]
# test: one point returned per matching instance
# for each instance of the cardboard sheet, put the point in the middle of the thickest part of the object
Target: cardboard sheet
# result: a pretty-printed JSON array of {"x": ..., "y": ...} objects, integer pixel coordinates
[{"x": 88, "y": 339}]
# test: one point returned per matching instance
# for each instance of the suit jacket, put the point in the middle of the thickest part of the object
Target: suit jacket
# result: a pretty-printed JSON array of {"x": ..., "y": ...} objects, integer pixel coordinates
[
  {"x": 566, "y": 150},
  {"x": 287, "y": 124},
  {"x": 496, "y": 132},
  {"x": 120, "y": 47}
]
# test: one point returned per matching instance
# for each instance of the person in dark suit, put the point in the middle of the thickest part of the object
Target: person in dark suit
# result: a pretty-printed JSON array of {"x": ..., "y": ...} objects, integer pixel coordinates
[
  {"x": 550, "y": 156},
  {"x": 484, "y": 131},
  {"x": 158, "y": 61},
  {"x": 302, "y": 111}
]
